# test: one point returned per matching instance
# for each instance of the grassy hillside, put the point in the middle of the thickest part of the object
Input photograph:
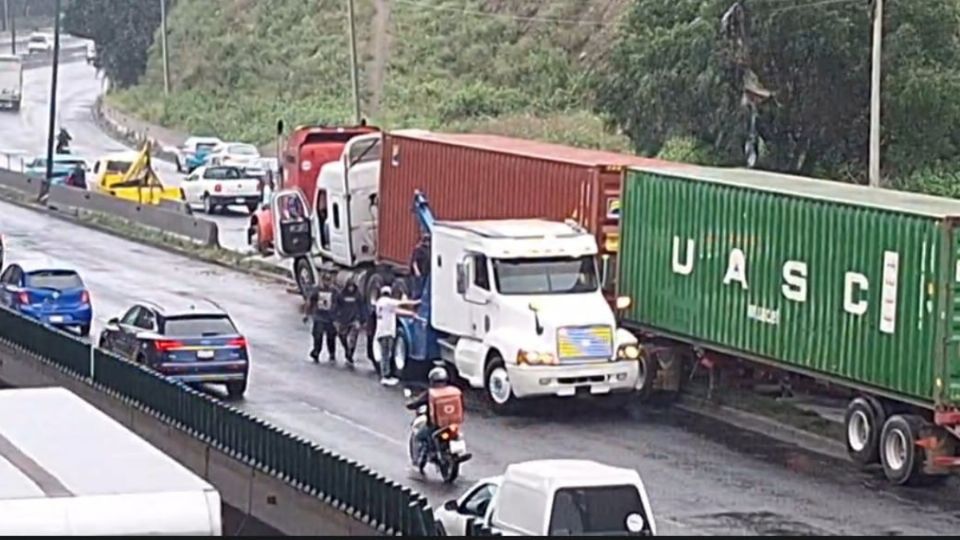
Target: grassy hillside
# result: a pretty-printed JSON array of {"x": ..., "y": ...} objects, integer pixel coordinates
[{"x": 520, "y": 67}]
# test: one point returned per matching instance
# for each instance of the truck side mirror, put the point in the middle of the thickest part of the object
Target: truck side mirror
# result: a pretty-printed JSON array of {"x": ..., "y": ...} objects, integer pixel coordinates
[
  {"x": 536, "y": 318},
  {"x": 279, "y": 127},
  {"x": 461, "y": 278}
]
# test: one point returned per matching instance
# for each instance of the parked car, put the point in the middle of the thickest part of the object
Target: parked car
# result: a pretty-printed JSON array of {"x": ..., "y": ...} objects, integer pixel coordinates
[
  {"x": 47, "y": 292},
  {"x": 62, "y": 165},
  {"x": 192, "y": 341},
  {"x": 554, "y": 497},
  {"x": 194, "y": 152},
  {"x": 233, "y": 153},
  {"x": 39, "y": 43},
  {"x": 216, "y": 187}
]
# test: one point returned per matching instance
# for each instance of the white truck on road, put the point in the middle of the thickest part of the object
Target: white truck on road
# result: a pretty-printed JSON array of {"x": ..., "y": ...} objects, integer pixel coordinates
[
  {"x": 68, "y": 469},
  {"x": 11, "y": 81}
]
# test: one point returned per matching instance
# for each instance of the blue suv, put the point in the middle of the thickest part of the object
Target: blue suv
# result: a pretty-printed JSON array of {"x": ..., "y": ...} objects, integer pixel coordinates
[
  {"x": 49, "y": 293},
  {"x": 192, "y": 341}
]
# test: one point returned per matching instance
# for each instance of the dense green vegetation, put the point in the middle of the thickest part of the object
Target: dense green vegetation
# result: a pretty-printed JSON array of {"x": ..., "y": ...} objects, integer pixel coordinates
[
  {"x": 669, "y": 76},
  {"x": 237, "y": 66}
]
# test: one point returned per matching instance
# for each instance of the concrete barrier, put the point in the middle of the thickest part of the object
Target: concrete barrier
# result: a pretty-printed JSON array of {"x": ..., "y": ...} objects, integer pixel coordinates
[
  {"x": 172, "y": 218},
  {"x": 262, "y": 496},
  {"x": 19, "y": 182}
]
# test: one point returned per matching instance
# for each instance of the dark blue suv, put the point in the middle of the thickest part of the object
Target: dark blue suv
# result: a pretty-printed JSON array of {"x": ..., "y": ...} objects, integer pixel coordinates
[{"x": 193, "y": 341}]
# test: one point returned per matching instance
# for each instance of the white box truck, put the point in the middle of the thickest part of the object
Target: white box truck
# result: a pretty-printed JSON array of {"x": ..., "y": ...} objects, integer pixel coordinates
[
  {"x": 68, "y": 469},
  {"x": 11, "y": 81}
]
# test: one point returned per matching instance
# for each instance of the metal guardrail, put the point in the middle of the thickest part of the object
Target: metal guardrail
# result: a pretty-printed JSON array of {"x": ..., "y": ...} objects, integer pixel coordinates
[{"x": 340, "y": 482}]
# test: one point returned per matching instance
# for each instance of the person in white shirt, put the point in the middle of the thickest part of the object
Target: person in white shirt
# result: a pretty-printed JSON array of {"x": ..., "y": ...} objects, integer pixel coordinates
[{"x": 387, "y": 309}]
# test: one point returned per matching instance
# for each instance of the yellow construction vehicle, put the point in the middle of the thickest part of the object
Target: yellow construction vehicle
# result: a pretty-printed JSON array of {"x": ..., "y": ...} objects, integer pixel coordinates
[{"x": 130, "y": 176}]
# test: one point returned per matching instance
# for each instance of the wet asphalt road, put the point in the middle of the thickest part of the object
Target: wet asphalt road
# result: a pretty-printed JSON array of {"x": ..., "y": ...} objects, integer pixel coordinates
[
  {"x": 78, "y": 88},
  {"x": 702, "y": 478}
]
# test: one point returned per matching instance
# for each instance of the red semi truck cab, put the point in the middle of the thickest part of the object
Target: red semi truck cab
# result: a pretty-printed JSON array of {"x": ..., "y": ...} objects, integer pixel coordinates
[{"x": 308, "y": 149}]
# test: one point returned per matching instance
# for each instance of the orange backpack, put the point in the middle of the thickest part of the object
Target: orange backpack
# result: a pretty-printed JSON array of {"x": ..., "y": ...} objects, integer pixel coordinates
[{"x": 446, "y": 406}]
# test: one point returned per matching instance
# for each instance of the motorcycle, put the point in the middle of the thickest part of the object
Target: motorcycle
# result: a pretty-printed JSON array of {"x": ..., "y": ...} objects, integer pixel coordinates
[{"x": 447, "y": 448}]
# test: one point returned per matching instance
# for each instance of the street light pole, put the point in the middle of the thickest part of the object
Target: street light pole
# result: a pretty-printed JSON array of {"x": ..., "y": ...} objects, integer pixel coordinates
[
  {"x": 875, "y": 94},
  {"x": 45, "y": 185},
  {"x": 13, "y": 29},
  {"x": 163, "y": 45},
  {"x": 353, "y": 63}
]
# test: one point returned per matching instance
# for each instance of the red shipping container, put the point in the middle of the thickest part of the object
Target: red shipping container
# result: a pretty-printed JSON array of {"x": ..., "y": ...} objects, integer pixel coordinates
[{"x": 467, "y": 176}]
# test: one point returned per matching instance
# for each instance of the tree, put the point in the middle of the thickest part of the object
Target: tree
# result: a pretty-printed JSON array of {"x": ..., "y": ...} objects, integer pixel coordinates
[
  {"x": 675, "y": 73},
  {"x": 123, "y": 31}
]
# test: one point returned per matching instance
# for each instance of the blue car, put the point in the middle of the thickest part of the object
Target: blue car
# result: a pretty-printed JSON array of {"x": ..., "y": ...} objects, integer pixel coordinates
[
  {"x": 192, "y": 341},
  {"x": 49, "y": 293},
  {"x": 62, "y": 165}
]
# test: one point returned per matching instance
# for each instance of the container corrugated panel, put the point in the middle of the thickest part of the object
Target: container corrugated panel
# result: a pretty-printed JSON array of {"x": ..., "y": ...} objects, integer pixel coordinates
[
  {"x": 840, "y": 280},
  {"x": 490, "y": 177}
]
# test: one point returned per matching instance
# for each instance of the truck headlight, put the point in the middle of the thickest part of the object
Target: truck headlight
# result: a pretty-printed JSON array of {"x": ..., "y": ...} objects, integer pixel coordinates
[
  {"x": 536, "y": 358},
  {"x": 629, "y": 352},
  {"x": 623, "y": 302}
]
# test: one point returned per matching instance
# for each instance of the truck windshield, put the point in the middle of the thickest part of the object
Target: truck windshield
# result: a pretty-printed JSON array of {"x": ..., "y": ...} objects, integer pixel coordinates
[
  {"x": 553, "y": 275},
  {"x": 594, "y": 511}
]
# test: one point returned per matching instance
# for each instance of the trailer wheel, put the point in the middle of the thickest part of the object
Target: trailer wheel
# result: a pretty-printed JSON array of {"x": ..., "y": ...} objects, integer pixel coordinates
[
  {"x": 864, "y": 423},
  {"x": 647, "y": 366},
  {"x": 375, "y": 281},
  {"x": 901, "y": 457},
  {"x": 401, "y": 287}
]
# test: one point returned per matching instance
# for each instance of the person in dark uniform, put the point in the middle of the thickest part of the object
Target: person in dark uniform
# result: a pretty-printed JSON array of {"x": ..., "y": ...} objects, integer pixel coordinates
[
  {"x": 348, "y": 305},
  {"x": 320, "y": 308},
  {"x": 420, "y": 265}
]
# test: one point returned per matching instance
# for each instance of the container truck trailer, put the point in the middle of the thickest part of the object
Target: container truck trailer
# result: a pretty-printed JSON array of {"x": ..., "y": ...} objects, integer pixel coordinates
[{"x": 852, "y": 285}]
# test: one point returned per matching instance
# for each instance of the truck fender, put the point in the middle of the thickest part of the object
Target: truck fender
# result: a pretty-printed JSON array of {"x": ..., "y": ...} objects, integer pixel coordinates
[
  {"x": 508, "y": 342},
  {"x": 622, "y": 337}
]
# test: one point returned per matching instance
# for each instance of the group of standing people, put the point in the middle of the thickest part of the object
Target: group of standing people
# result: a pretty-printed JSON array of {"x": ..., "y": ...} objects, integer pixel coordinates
[{"x": 339, "y": 313}]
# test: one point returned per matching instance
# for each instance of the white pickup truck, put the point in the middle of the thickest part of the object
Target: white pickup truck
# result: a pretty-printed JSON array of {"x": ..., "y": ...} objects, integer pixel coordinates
[
  {"x": 217, "y": 187},
  {"x": 554, "y": 497},
  {"x": 11, "y": 81}
]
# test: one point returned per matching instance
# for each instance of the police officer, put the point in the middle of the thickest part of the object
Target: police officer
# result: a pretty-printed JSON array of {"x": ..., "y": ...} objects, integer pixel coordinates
[
  {"x": 348, "y": 305},
  {"x": 320, "y": 308}
]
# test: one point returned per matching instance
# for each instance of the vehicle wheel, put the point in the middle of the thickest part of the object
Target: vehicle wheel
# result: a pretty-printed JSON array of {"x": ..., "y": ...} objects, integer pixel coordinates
[
  {"x": 412, "y": 447},
  {"x": 400, "y": 353},
  {"x": 647, "y": 366},
  {"x": 863, "y": 427},
  {"x": 142, "y": 360},
  {"x": 305, "y": 275},
  {"x": 902, "y": 459},
  {"x": 374, "y": 282},
  {"x": 103, "y": 343},
  {"x": 208, "y": 205},
  {"x": 236, "y": 389},
  {"x": 179, "y": 163},
  {"x": 85, "y": 330},
  {"x": 400, "y": 287},
  {"x": 449, "y": 470},
  {"x": 499, "y": 391}
]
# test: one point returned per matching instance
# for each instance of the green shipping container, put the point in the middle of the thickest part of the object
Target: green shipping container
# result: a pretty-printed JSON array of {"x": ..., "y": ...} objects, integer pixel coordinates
[{"x": 844, "y": 282}]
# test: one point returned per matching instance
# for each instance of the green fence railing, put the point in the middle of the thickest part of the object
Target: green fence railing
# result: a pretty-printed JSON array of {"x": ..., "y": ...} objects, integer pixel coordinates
[{"x": 339, "y": 482}]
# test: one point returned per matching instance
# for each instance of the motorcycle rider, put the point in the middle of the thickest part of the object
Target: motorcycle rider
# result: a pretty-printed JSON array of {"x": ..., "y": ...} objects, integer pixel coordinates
[
  {"x": 347, "y": 312},
  {"x": 63, "y": 140},
  {"x": 437, "y": 378}
]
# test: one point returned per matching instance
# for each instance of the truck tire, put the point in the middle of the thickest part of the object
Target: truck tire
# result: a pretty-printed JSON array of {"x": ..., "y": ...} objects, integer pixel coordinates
[
  {"x": 647, "y": 367},
  {"x": 496, "y": 386},
  {"x": 375, "y": 281},
  {"x": 305, "y": 275},
  {"x": 401, "y": 287},
  {"x": 864, "y": 422},
  {"x": 902, "y": 459}
]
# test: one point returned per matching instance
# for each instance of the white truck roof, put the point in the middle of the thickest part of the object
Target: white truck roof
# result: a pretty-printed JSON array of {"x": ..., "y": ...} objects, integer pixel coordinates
[
  {"x": 548, "y": 475},
  {"x": 67, "y": 468},
  {"x": 509, "y": 238}
]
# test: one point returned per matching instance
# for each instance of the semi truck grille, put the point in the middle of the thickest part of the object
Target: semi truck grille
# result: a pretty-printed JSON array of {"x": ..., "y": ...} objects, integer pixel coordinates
[{"x": 582, "y": 342}]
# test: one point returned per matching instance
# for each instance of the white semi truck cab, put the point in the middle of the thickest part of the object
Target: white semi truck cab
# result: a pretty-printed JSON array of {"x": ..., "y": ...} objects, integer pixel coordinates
[{"x": 518, "y": 311}]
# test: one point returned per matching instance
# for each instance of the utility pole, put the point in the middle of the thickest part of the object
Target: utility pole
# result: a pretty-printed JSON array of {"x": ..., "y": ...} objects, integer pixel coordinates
[
  {"x": 353, "y": 63},
  {"x": 875, "y": 94},
  {"x": 45, "y": 185},
  {"x": 6, "y": 15},
  {"x": 163, "y": 45},
  {"x": 13, "y": 29}
]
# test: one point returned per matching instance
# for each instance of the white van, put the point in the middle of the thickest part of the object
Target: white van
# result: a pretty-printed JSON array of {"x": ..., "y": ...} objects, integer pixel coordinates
[{"x": 555, "y": 497}]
